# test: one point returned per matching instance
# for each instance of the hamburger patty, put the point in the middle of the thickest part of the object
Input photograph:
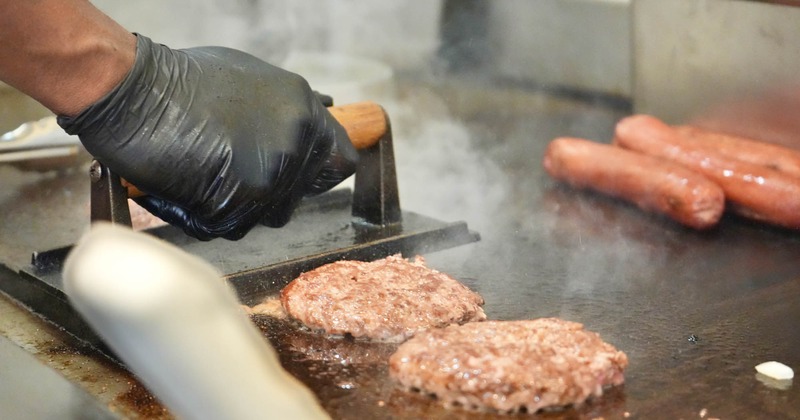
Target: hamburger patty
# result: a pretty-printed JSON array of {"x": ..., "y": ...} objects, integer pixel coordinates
[
  {"x": 509, "y": 366},
  {"x": 388, "y": 300}
]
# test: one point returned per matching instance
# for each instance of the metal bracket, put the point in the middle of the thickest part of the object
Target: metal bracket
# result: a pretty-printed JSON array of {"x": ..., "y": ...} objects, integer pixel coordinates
[
  {"x": 376, "y": 200},
  {"x": 109, "y": 199},
  {"x": 108, "y": 202}
]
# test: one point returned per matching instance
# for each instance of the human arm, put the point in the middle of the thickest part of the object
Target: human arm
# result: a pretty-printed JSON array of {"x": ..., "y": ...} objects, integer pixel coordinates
[
  {"x": 66, "y": 54},
  {"x": 218, "y": 139}
]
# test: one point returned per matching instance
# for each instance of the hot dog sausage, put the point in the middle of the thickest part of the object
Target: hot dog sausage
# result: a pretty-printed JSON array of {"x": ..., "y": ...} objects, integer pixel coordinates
[
  {"x": 770, "y": 155},
  {"x": 754, "y": 191},
  {"x": 652, "y": 184}
]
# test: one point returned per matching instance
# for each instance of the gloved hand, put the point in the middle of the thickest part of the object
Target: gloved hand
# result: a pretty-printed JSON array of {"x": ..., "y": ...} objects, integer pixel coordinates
[{"x": 218, "y": 139}]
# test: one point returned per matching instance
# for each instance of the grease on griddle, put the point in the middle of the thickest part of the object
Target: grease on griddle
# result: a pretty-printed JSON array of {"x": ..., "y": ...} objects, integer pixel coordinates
[
  {"x": 297, "y": 343},
  {"x": 269, "y": 306},
  {"x": 140, "y": 400},
  {"x": 351, "y": 379},
  {"x": 72, "y": 348},
  {"x": 57, "y": 349}
]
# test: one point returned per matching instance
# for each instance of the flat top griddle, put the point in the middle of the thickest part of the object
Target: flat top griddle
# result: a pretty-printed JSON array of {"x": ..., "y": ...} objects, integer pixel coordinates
[{"x": 695, "y": 312}]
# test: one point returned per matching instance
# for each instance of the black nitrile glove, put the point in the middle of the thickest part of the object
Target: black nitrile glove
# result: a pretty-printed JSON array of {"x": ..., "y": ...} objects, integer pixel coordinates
[{"x": 218, "y": 139}]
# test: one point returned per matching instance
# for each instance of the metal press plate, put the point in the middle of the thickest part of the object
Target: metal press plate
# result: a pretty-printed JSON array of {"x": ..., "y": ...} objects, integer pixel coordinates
[{"x": 321, "y": 231}]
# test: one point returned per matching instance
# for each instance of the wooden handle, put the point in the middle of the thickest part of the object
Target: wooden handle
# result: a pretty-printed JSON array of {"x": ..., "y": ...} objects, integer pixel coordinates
[{"x": 364, "y": 122}]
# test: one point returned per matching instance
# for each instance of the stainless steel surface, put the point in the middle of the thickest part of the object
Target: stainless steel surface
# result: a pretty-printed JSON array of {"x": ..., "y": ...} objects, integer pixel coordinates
[
  {"x": 577, "y": 44},
  {"x": 77, "y": 375},
  {"x": 693, "y": 57},
  {"x": 30, "y": 390},
  {"x": 40, "y": 134},
  {"x": 38, "y": 141},
  {"x": 695, "y": 312}
]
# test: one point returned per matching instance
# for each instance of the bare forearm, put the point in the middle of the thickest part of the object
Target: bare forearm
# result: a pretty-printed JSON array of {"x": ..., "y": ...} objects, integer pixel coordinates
[{"x": 66, "y": 54}]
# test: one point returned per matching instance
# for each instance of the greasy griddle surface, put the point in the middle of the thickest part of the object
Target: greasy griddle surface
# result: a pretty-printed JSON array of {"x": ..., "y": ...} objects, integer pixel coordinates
[
  {"x": 351, "y": 378},
  {"x": 694, "y": 312}
]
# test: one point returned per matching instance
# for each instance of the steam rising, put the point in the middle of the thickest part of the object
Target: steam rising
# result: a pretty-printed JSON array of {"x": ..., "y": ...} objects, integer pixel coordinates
[
  {"x": 488, "y": 176},
  {"x": 441, "y": 174},
  {"x": 399, "y": 32}
]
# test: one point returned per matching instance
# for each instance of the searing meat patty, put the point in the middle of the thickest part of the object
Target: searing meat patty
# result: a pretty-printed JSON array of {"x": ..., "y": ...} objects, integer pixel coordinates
[
  {"x": 509, "y": 366},
  {"x": 387, "y": 300}
]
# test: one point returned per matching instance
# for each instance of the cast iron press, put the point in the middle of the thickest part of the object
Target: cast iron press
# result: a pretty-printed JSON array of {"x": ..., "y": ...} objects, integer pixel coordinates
[{"x": 365, "y": 224}]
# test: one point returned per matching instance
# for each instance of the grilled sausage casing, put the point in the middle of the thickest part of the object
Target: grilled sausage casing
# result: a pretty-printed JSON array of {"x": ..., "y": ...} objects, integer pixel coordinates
[
  {"x": 755, "y": 191},
  {"x": 651, "y": 183},
  {"x": 780, "y": 158}
]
